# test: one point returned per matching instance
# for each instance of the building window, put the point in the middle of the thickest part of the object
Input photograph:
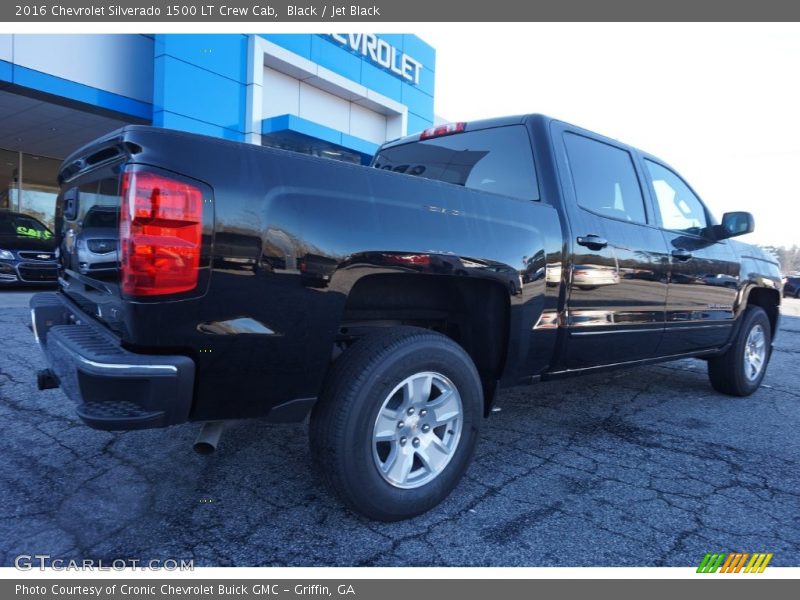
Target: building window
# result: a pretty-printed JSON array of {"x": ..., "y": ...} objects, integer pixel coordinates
[
  {"x": 29, "y": 184},
  {"x": 9, "y": 179}
]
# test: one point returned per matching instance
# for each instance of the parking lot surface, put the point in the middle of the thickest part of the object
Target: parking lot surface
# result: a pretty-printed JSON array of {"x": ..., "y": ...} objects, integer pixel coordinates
[{"x": 645, "y": 467}]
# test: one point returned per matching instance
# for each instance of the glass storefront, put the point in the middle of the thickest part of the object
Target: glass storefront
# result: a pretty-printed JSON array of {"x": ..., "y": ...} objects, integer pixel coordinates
[
  {"x": 9, "y": 179},
  {"x": 28, "y": 184}
]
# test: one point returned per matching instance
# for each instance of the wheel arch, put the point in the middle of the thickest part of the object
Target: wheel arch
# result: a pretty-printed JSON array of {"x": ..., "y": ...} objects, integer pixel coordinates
[
  {"x": 473, "y": 312},
  {"x": 769, "y": 300}
]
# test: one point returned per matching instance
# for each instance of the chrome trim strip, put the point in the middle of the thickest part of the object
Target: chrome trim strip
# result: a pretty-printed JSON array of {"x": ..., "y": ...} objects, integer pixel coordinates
[
  {"x": 652, "y": 360},
  {"x": 685, "y": 327},
  {"x": 650, "y": 330},
  {"x": 643, "y": 330},
  {"x": 33, "y": 326},
  {"x": 119, "y": 366},
  {"x": 92, "y": 363}
]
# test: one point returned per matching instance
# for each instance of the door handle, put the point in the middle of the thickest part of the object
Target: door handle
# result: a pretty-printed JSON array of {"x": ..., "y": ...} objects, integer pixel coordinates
[
  {"x": 681, "y": 254},
  {"x": 592, "y": 241}
]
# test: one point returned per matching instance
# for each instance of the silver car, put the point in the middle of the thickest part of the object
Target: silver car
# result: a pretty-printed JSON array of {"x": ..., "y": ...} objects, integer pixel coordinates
[{"x": 97, "y": 244}]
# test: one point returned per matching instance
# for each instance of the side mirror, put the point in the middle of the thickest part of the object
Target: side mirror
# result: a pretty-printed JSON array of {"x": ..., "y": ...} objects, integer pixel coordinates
[{"x": 736, "y": 223}]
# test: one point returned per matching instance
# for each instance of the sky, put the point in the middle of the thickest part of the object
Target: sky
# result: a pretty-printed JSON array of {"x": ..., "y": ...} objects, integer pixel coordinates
[{"x": 718, "y": 102}]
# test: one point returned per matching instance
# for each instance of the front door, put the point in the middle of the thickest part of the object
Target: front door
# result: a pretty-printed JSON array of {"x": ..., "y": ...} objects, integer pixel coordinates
[
  {"x": 704, "y": 273},
  {"x": 618, "y": 275}
]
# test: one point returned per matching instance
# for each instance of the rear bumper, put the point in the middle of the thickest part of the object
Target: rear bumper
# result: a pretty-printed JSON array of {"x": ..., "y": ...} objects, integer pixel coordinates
[{"x": 114, "y": 389}]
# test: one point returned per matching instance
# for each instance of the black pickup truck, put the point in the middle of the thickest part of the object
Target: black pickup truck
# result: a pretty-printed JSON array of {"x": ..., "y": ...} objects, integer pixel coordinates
[{"x": 388, "y": 303}]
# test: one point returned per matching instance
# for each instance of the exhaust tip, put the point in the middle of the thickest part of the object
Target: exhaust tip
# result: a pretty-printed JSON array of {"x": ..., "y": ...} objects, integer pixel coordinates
[
  {"x": 208, "y": 438},
  {"x": 204, "y": 448}
]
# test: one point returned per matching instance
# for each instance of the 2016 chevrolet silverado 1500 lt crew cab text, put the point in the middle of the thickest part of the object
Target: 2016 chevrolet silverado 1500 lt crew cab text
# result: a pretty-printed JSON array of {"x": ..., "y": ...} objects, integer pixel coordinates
[{"x": 388, "y": 303}]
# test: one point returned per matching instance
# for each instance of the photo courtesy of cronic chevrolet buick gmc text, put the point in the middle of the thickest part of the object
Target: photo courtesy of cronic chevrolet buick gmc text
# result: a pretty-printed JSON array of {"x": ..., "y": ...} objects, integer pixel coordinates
[{"x": 387, "y": 303}]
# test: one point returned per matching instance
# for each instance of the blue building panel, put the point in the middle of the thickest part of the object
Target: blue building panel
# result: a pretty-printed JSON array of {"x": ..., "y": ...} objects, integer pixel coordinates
[
  {"x": 359, "y": 145},
  {"x": 417, "y": 123},
  {"x": 171, "y": 120},
  {"x": 417, "y": 102},
  {"x": 381, "y": 81},
  {"x": 426, "y": 81},
  {"x": 6, "y": 70},
  {"x": 158, "y": 85},
  {"x": 196, "y": 93},
  {"x": 78, "y": 92},
  {"x": 327, "y": 54},
  {"x": 395, "y": 39},
  {"x": 300, "y": 125},
  {"x": 223, "y": 54}
]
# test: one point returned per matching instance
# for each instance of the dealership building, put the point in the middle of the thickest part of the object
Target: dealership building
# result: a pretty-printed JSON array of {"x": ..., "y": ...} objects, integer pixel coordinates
[{"x": 335, "y": 95}]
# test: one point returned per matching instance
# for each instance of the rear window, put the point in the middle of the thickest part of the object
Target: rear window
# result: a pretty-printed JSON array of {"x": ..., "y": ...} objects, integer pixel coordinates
[{"x": 497, "y": 160}]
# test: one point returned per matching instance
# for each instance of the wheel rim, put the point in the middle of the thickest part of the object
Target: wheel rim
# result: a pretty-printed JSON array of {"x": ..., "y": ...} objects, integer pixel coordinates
[
  {"x": 755, "y": 353},
  {"x": 417, "y": 430}
]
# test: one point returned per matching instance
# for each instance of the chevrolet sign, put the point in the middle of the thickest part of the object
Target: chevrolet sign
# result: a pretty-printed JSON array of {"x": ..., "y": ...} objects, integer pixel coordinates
[{"x": 382, "y": 53}]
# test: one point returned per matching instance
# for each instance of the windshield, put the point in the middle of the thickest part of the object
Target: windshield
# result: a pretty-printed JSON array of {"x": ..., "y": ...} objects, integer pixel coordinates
[{"x": 23, "y": 226}]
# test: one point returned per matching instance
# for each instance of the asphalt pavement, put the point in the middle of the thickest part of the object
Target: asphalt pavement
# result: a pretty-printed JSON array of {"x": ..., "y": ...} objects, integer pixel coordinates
[{"x": 645, "y": 467}]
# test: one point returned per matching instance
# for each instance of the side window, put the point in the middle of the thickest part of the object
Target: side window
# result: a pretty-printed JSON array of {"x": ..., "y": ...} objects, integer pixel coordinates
[
  {"x": 679, "y": 208},
  {"x": 605, "y": 179}
]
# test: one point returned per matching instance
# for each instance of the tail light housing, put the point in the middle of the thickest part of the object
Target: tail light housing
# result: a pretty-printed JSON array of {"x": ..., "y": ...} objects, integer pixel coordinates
[{"x": 160, "y": 232}]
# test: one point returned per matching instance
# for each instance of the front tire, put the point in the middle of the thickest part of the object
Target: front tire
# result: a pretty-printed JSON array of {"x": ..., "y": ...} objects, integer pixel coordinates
[
  {"x": 741, "y": 369},
  {"x": 397, "y": 422}
]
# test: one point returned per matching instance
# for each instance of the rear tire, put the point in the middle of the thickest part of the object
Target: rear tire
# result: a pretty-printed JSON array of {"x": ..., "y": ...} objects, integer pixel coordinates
[
  {"x": 741, "y": 369},
  {"x": 397, "y": 422}
]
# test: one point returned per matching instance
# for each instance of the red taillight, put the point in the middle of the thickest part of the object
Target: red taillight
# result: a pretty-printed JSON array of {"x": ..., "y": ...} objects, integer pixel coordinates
[
  {"x": 160, "y": 231},
  {"x": 441, "y": 130}
]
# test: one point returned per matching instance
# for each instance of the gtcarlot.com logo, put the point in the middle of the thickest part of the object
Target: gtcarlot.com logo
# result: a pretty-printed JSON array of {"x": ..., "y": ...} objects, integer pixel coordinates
[
  {"x": 28, "y": 562},
  {"x": 735, "y": 562}
]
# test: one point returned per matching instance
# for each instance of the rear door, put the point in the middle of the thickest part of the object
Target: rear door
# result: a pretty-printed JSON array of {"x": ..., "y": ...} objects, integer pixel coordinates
[
  {"x": 704, "y": 273},
  {"x": 618, "y": 272}
]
